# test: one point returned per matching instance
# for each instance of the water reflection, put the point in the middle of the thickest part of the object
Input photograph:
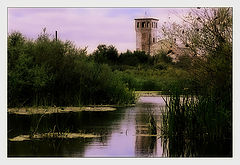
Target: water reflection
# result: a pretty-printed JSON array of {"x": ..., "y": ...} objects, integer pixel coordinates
[
  {"x": 198, "y": 147},
  {"x": 147, "y": 142},
  {"x": 124, "y": 133},
  {"x": 121, "y": 140},
  {"x": 101, "y": 123}
]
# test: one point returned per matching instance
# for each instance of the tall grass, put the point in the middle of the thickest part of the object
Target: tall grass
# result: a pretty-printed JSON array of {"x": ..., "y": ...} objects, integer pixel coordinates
[{"x": 195, "y": 121}]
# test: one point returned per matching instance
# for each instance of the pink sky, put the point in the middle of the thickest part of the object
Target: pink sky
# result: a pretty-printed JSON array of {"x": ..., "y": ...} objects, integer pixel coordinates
[{"x": 87, "y": 26}]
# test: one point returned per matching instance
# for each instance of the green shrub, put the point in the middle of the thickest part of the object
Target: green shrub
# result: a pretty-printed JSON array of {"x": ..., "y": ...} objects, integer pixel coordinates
[{"x": 49, "y": 72}]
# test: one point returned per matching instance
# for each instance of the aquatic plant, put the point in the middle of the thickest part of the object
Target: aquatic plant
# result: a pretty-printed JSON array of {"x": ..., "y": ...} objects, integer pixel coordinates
[
  {"x": 197, "y": 120},
  {"x": 203, "y": 112}
]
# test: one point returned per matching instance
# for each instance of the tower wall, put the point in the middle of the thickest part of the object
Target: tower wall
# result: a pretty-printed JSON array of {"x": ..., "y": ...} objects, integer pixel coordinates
[{"x": 146, "y": 33}]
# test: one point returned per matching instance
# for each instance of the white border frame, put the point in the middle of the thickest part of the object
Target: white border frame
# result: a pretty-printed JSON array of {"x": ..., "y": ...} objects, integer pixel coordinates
[{"x": 4, "y": 4}]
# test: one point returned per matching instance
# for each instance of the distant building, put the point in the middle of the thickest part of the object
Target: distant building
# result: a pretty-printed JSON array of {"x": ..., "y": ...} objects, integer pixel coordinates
[
  {"x": 146, "y": 33},
  {"x": 147, "y": 39},
  {"x": 171, "y": 48}
]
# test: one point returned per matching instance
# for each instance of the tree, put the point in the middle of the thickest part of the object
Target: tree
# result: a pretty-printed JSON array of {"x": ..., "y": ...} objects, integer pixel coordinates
[
  {"x": 202, "y": 30},
  {"x": 105, "y": 54},
  {"x": 134, "y": 58},
  {"x": 206, "y": 34}
]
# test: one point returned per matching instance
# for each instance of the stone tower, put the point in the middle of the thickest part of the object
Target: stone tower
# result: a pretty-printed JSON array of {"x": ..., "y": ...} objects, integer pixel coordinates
[{"x": 146, "y": 33}]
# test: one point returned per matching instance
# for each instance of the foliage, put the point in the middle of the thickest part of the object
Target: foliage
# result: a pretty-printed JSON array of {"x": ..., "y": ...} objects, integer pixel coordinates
[
  {"x": 194, "y": 122},
  {"x": 134, "y": 58},
  {"x": 184, "y": 62},
  {"x": 208, "y": 115},
  {"x": 162, "y": 57},
  {"x": 105, "y": 54},
  {"x": 152, "y": 79},
  {"x": 50, "y": 72}
]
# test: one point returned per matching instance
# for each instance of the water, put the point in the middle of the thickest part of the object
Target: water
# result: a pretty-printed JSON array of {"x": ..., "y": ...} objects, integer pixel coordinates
[{"x": 125, "y": 132}]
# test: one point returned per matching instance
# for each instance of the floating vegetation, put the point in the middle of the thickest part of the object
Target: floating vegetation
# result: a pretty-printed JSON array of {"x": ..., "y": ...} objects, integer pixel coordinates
[
  {"x": 147, "y": 135},
  {"x": 20, "y": 138},
  {"x": 50, "y": 110},
  {"x": 97, "y": 108},
  {"x": 147, "y": 93},
  {"x": 53, "y": 135}
]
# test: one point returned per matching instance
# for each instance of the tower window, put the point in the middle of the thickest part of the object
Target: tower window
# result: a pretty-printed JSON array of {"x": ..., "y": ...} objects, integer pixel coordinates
[
  {"x": 152, "y": 25},
  {"x": 153, "y": 40},
  {"x": 138, "y": 24},
  {"x": 143, "y": 24},
  {"x": 156, "y": 25},
  {"x": 148, "y": 24}
]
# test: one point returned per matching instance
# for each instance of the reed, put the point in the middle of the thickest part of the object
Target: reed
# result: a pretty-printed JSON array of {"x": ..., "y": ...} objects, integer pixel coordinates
[{"x": 195, "y": 121}]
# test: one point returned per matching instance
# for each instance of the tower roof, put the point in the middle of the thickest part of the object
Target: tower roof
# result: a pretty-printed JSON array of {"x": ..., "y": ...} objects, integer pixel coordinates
[{"x": 148, "y": 18}]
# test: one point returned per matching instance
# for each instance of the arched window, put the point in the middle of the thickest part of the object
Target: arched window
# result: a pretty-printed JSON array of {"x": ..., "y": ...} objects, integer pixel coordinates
[
  {"x": 153, "y": 40},
  {"x": 138, "y": 24},
  {"x": 143, "y": 24},
  {"x": 148, "y": 24},
  {"x": 156, "y": 25}
]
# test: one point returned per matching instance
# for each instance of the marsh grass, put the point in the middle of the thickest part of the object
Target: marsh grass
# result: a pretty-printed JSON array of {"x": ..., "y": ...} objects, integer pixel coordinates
[
  {"x": 194, "y": 121},
  {"x": 195, "y": 118}
]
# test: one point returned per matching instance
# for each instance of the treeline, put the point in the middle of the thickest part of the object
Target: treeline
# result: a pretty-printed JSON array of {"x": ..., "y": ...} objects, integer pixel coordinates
[
  {"x": 109, "y": 55},
  {"x": 141, "y": 71},
  {"x": 49, "y": 72},
  {"x": 122, "y": 61}
]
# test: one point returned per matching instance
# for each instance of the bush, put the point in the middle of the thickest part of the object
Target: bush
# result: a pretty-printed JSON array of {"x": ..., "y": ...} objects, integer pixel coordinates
[
  {"x": 50, "y": 72},
  {"x": 134, "y": 58},
  {"x": 105, "y": 54}
]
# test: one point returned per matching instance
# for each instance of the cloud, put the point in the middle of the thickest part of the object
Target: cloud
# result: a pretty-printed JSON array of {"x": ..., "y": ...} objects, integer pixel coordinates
[{"x": 84, "y": 26}]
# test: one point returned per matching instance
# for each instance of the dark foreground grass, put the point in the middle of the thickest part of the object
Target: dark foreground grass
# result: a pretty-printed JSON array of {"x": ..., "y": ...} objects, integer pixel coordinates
[{"x": 194, "y": 125}]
